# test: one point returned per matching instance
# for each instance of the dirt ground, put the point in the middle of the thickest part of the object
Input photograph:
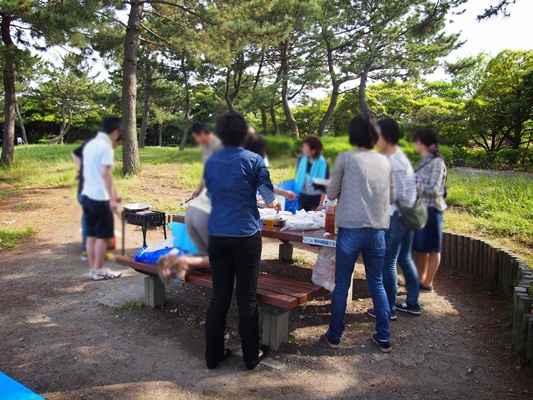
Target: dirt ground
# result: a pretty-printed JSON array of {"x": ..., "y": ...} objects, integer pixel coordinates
[{"x": 63, "y": 337}]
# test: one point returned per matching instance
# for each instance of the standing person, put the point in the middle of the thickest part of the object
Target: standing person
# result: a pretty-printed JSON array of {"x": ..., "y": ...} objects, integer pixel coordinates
[
  {"x": 198, "y": 211},
  {"x": 256, "y": 144},
  {"x": 361, "y": 182},
  {"x": 312, "y": 165},
  {"x": 99, "y": 196},
  {"x": 232, "y": 177},
  {"x": 431, "y": 184},
  {"x": 77, "y": 157},
  {"x": 398, "y": 239}
]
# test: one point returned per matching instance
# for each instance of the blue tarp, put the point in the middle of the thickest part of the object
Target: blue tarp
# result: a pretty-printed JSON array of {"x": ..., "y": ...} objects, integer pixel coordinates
[{"x": 10, "y": 389}]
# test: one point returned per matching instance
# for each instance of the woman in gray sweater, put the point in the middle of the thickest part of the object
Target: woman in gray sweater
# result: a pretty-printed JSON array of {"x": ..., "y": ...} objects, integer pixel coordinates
[{"x": 361, "y": 182}]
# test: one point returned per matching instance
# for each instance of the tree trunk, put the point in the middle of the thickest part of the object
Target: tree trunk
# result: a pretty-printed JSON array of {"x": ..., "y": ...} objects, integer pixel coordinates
[
  {"x": 65, "y": 126},
  {"x": 264, "y": 120},
  {"x": 362, "y": 92},
  {"x": 187, "y": 109},
  {"x": 130, "y": 151},
  {"x": 146, "y": 107},
  {"x": 329, "y": 112},
  {"x": 274, "y": 119},
  {"x": 285, "y": 93},
  {"x": 161, "y": 134},
  {"x": 21, "y": 124},
  {"x": 8, "y": 143}
]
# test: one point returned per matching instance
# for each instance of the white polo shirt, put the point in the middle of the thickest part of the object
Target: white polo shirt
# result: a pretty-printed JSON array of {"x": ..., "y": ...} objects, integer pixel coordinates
[{"x": 96, "y": 154}]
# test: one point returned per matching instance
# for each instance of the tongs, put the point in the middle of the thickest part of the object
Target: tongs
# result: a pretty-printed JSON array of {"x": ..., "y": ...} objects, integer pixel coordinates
[{"x": 186, "y": 201}]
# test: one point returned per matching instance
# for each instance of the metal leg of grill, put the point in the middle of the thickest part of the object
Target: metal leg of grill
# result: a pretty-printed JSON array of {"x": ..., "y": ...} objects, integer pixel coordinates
[
  {"x": 144, "y": 228},
  {"x": 123, "y": 236}
]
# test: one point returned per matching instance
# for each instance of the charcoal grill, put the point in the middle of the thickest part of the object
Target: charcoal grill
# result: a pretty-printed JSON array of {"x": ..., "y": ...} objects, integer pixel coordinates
[{"x": 145, "y": 220}]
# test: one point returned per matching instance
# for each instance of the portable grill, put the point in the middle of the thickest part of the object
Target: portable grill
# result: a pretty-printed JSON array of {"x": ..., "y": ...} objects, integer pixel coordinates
[{"x": 145, "y": 219}]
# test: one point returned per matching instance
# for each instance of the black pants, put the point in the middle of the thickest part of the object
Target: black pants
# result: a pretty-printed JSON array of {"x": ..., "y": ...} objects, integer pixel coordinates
[{"x": 230, "y": 258}]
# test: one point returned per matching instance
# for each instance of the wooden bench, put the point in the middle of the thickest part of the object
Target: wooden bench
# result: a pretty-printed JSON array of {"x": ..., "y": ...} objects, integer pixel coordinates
[{"x": 281, "y": 293}]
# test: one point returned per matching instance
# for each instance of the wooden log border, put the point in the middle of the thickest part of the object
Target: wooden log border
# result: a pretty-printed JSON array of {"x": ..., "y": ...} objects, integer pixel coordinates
[{"x": 501, "y": 270}]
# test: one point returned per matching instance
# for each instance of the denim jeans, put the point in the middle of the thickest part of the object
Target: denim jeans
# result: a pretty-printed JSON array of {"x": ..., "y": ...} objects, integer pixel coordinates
[
  {"x": 351, "y": 242},
  {"x": 233, "y": 259},
  {"x": 399, "y": 242},
  {"x": 83, "y": 224}
]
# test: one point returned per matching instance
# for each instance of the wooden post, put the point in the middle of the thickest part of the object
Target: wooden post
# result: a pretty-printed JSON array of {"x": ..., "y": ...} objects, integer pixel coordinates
[
  {"x": 501, "y": 276},
  {"x": 470, "y": 257},
  {"x": 492, "y": 271},
  {"x": 477, "y": 258},
  {"x": 529, "y": 349},
  {"x": 459, "y": 253},
  {"x": 445, "y": 262},
  {"x": 453, "y": 252},
  {"x": 517, "y": 316}
]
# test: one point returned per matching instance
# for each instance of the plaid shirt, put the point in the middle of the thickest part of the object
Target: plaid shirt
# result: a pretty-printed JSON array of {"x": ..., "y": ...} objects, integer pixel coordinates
[{"x": 431, "y": 178}]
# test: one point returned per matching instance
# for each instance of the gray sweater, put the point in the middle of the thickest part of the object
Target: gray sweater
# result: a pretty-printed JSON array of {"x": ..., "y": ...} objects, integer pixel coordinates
[{"x": 362, "y": 183}]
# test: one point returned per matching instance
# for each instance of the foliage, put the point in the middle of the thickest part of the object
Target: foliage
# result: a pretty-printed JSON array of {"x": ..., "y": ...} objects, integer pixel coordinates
[
  {"x": 10, "y": 237},
  {"x": 501, "y": 110}
]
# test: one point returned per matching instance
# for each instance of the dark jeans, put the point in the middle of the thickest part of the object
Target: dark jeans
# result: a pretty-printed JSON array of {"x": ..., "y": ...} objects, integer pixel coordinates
[{"x": 230, "y": 258}]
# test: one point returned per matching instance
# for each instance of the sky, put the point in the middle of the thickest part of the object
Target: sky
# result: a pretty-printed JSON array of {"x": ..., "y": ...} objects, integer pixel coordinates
[{"x": 498, "y": 33}]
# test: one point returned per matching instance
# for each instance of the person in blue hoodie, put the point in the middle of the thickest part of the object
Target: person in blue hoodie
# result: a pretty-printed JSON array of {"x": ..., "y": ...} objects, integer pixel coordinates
[{"x": 312, "y": 164}]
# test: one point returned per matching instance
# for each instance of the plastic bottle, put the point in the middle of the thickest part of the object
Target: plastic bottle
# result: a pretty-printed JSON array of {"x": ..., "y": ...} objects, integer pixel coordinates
[{"x": 331, "y": 208}]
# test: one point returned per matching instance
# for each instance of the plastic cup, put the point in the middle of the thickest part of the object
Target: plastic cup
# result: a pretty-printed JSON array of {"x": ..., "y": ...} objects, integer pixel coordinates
[{"x": 269, "y": 221}]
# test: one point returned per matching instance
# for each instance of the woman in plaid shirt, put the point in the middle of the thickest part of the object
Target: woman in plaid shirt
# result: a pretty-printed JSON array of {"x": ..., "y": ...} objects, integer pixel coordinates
[{"x": 431, "y": 185}]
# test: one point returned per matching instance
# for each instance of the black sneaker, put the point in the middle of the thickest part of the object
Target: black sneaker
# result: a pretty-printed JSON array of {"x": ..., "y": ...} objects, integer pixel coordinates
[
  {"x": 384, "y": 347},
  {"x": 372, "y": 313},
  {"x": 404, "y": 306}
]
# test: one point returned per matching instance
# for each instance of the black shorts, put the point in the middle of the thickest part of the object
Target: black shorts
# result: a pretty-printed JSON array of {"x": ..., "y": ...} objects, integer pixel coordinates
[{"x": 99, "y": 218}]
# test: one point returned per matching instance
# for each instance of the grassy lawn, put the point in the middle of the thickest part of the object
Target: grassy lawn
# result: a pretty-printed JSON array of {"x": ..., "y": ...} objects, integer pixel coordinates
[{"x": 498, "y": 209}]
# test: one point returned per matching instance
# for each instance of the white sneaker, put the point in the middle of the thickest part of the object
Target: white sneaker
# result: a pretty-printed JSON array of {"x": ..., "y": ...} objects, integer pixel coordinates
[{"x": 104, "y": 273}]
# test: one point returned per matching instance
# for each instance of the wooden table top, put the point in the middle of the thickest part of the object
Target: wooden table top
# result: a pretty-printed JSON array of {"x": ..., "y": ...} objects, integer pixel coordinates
[{"x": 314, "y": 237}]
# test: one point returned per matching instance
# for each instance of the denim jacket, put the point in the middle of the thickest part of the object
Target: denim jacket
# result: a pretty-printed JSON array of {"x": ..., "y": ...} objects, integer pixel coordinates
[{"x": 233, "y": 176}]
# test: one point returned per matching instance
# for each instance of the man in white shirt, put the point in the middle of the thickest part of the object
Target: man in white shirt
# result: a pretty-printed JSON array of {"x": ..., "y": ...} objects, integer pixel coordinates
[{"x": 99, "y": 196}]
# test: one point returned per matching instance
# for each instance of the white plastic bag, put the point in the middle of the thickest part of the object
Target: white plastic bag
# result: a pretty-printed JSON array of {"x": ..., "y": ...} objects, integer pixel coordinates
[
  {"x": 300, "y": 222},
  {"x": 324, "y": 268}
]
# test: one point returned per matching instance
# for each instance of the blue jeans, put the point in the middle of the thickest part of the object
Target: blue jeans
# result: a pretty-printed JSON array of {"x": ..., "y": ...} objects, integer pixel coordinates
[
  {"x": 399, "y": 242},
  {"x": 83, "y": 225},
  {"x": 351, "y": 242}
]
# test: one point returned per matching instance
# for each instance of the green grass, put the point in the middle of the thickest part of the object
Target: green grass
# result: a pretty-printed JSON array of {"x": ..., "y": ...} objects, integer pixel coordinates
[
  {"x": 10, "y": 237},
  {"x": 129, "y": 305},
  {"x": 502, "y": 206}
]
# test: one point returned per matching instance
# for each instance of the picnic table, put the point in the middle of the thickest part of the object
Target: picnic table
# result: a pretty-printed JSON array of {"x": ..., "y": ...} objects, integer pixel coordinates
[{"x": 313, "y": 238}]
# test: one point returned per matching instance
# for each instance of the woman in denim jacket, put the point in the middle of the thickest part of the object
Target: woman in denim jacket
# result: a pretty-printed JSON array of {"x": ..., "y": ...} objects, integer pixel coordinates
[{"x": 233, "y": 176}]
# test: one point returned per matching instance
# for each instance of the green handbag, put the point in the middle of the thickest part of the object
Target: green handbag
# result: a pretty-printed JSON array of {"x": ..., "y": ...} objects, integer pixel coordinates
[{"x": 414, "y": 218}]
